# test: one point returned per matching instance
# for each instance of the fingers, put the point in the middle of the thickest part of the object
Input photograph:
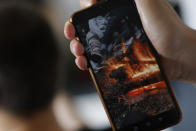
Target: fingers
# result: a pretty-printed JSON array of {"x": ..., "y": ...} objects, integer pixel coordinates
[
  {"x": 76, "y": 48},
  {"x": 86, "y": 3},
  {"x": 81, "y": 62},
  {"x": 69, "y": 30}
]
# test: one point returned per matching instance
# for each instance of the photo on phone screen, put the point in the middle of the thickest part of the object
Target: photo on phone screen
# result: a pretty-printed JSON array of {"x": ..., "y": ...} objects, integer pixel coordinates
[{"x": 124, "y": 66}]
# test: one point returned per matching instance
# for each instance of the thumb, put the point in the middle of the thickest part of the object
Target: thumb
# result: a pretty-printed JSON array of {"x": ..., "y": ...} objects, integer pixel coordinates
[{"x": 158, "y": 18}]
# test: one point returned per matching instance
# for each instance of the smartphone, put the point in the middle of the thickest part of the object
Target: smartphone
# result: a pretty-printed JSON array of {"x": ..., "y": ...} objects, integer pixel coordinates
[{"x": 125, "y": 67}]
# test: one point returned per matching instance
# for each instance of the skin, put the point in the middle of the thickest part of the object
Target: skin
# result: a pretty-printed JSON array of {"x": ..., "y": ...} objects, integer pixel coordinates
[{"x": 174, "y": 41}]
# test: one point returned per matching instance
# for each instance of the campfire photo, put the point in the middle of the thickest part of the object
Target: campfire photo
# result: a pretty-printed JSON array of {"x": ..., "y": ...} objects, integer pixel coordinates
[{"x": 125, "y": 69}]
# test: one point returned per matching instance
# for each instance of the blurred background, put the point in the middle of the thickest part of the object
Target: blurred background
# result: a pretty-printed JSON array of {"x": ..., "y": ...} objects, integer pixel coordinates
[{"x": 77, "y": 102}]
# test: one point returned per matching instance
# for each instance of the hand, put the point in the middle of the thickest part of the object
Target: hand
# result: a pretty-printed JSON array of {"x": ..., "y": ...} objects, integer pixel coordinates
[
  {"x": 174, "y": 41},
  {"x": 75, "y": 46}
]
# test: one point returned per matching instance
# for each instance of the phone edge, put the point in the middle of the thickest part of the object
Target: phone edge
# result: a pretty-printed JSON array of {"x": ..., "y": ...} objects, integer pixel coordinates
[
  {"x": 161, "y": 69},
  {"x": 93, "y": 78}
]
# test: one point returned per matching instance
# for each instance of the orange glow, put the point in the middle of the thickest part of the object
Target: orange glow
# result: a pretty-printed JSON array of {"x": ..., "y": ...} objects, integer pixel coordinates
[
  {"x": 136, "y": 92},
  {"x": 117, "y": 66},
  {"x": 142, "y": 52},
  {"x": 145, "y": 66},
  {"x": 124, "y": 49},
  {"x": 147, "y": 69},
  {"x": 150, "y": 88}
]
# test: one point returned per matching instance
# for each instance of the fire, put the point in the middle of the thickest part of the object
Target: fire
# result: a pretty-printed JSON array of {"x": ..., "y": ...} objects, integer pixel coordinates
[
  {"x": 150, "y": 88},
  {"x": 136, "y": 92},
  {"x": 124, "y": 49},
  {"x": 148, "y": 69},
  {"x": 145, "y": 66},
  {"x": 118, "y": 66},
  {"x": 114, "y": 64},
  {"x": 142, "y": 52},
  {"x": 139, "y": 94}
]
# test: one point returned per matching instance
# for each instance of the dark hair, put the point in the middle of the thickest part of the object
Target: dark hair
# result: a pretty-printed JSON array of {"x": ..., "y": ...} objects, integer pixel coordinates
[{"x": 28, "y": 60}]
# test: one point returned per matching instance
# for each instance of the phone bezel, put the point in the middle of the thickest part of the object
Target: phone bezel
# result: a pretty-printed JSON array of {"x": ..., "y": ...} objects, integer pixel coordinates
[{"x": 94, "y": 11}]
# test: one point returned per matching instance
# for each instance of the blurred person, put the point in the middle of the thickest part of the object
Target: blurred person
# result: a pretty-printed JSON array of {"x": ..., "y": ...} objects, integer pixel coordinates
[
  {"x": 28, "y": 70},
  {"x": 35, "y": 2},
  {"x": 174, "y": 41}
]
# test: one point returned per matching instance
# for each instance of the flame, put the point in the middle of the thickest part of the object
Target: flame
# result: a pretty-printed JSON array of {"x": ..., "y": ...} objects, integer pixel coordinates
[
  {"x": 124, "y": 49},
  {"x": 139, "y": 94},
  {"x": 150, "y": 88},
  {"x": 142, "y": 52},
  {"x": 118, "y": 66},
  {"x": 136, "y": 92},
  {"x": 147, "y": 70},
  {"x": 146, "y": 64}
]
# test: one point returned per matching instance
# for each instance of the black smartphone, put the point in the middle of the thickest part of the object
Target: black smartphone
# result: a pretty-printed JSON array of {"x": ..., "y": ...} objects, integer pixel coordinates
[{"x": 125, "y": 67}]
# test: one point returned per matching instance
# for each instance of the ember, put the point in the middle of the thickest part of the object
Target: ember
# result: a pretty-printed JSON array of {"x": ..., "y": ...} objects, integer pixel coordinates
[
  {"x": 124, "y": 49},
  {"x": 138, "y": 94},
  {"x": 146, "y": 64},
  {"x": 142, "y": 52},
  {"x": 147, "y": 88}
]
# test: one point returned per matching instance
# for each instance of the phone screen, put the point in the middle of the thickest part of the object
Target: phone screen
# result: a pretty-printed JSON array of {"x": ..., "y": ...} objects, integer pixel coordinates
[{"x": 124, "y": 66}]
